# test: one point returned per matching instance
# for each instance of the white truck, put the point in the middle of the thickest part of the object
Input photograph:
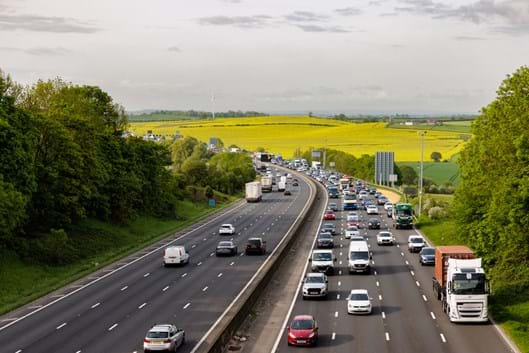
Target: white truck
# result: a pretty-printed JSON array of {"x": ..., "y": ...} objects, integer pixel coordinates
[
  {"x": 253, "y": 191},
  {"x": 266, "y": 183},
  {"x": 281, "y": 186},
  {"x": 460, "y": 284}
]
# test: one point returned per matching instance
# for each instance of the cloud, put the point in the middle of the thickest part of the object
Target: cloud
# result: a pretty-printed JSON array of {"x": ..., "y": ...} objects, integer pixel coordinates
[
  {"x": 349, "y": 11},
  {"x": 38, "y": 51},
  {"x": 13, "y": 22},
  {"x": 376, "y": 2},
  {"x": 174, "y": 49},
  {"x": 468, "y": 38},
  {"x": 255, "y": 21},
  {"x": 305, "y": 16},
  {"x": 322, "y": 29},
  {"x": 232, "y": 1}
]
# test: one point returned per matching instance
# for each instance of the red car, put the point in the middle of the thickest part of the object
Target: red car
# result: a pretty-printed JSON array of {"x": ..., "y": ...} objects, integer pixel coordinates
[
  {"x": 353, "y": 224},
  {"x": 329, "y": 216},
  {"x": 303, "y": 331}
]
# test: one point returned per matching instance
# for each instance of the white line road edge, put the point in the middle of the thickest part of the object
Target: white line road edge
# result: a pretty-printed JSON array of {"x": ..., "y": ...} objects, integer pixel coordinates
[
  {"x": 122, "y": 267},
  {"x": 293, "y": 303},
  {"x": 201, "y": 341}
]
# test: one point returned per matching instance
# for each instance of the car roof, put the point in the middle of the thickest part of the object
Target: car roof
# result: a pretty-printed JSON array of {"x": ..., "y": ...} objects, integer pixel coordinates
[
  {"x": 303, "y": 317},
  {"x": 161, "y": 327},
  {"x": 226, "y": 242},
  {"x": 415, "y": 236},
  {"x": 357, "y": 238},
  {"x": 322, "y": 251},
  {"x": 255, "y": 239},
  {"x": 358, "y": 246},
  {"x": 384, "y": 232},
  {"x": 359, "y": 291}
]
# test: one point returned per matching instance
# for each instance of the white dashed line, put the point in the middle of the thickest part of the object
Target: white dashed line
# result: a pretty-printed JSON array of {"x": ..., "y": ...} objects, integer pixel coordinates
[
  {"x": 341, "y": 245},
  {"x": 242, "y": 254},
  {"x": 432, "y": 315},
  {"x": 383, "y": 315},
  {"x": 378, "y": 284},
  {"x": 79, "y": 351},
  {"x": 417, "y": 283},
  {"x": 333, "y": 337},
  {"x": 61, "y": 326},
  {"x": 407, "y": 263},
  {"x": 443, "y": 338},
  {"x": 124, "y": 288},
  {"x": 340, "y": 262},
  {"x": 200, "y": 263},
  {"x": 194, "y": 246},
  {"x": 205, "y": 289},
  {"x": 412, "y": 273},
  {"x": 165, "y": 288},
  {"x": 337, "y": 296},
  {"x": 375, "y": 272},
  {"x": 387, "y": 336},
  {"x": 95, "y": 305},
  {"x": 380, "y": 297},
  {"x": 233, "y": 263},
  {"x": 20, "y": 350},
  {"x": 187, "y": 306},
  {"x": 401, "y": 254},
  {"x": 219, "y": 275},
  {"x": 142, "y": 306},
  {"x": 339, "y": 272},
  {"x": 335, "y": 314},
  {"x": 372, "y": 262},
  {"x": 212, "y": 254},
  {"x": 339, "y": 283},
  {"x": 185, "y": 274},
  {"x": 341, "y": 253},
  {"x": 146, "y": 275},
  {"x": 112, "y": 327},
  {"x": 424, "y": 298}
]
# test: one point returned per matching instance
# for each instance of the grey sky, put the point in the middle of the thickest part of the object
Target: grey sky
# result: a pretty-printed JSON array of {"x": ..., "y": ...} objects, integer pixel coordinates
[{"x": 355, "y": 56}]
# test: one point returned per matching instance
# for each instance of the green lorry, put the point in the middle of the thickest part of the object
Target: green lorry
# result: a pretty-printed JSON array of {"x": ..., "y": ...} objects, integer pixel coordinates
[{"x": 402, "y": 215}]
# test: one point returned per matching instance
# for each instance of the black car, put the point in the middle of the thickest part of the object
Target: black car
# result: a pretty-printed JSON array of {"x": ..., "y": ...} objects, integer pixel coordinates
[
  {"x": 287, "y": 192},
  {"x": 378, "y": 194},
  {"x": 328, "y": 228},
  {"x": 427, "y": 256},
  {"x": 390, "y": 212},
  {"x": 226, "y": 248},
  {"x": 295, "y": 183},
  {"x": 255, "y": 246},
  {"x": 325, "y": 240},
  {"x": 373, "y": 223}
]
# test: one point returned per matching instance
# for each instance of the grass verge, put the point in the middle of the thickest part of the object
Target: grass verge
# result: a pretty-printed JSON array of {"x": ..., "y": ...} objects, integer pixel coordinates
[
  {"x": 24, "y": 281},
  {"x": 509, "y": 303}
]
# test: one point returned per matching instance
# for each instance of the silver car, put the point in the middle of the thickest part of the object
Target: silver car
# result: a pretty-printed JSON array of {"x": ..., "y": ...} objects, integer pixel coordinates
[{"x": 164, "y": 337}]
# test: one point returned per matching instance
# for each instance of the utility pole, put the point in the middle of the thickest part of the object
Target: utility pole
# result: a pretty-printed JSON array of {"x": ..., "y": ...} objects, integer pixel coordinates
[
  {"x": 421, "y": 170},
  {"x": 213, "y": 105}
]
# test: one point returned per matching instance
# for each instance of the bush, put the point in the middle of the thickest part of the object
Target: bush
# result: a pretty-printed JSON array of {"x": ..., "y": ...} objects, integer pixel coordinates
[{"x": 437, "y": 212}]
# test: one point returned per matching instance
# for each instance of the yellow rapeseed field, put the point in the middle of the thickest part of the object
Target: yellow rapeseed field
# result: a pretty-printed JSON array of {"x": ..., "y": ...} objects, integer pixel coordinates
[{"x": 284, "y": 134}]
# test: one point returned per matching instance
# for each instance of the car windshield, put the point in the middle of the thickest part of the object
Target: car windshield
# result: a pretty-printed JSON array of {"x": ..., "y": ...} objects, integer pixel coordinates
[
  {"x": 225, "y": 243},
  {"x": 329, "y": 225},
  {"x": 469, "y": 283},
  {"x": 358, "y": 296},
  {"x": 302, "y": 324},
  {"x": 373, "y": 220},
  {"x": 384, "y": 235},
  {"x": 325, "y": 236},
  {"x": 254, "y": 242},
  {"x": 157, "y": 334},
  {"x": 322, "y": 256},
  {"x": 416, "y": 240},
  {"x": 352, "y": 229},
  {"x": 314, "y": 279},
  {"x": 428, "y": 251},
  {"x": 226, "y": 227},
  {"x": 359, "y": 255},
  {"x": 332, "y": 205}
]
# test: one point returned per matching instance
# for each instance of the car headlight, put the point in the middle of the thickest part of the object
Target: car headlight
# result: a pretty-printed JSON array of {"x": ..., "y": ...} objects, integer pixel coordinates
[
  {"x": 291, "y": 335},
  {"x": 312, "y": 334}
]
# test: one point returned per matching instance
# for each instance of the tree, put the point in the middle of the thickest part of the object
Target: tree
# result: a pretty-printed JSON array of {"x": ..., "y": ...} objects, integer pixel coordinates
[
  {"x": 436, "y": 156},
  {"x": 195, "y": 170},
  {"x": 409, "y": 175}
]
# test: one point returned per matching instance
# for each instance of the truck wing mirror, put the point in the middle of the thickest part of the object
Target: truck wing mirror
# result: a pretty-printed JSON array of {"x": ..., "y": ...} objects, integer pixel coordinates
[{"x": 310, "y": 259}]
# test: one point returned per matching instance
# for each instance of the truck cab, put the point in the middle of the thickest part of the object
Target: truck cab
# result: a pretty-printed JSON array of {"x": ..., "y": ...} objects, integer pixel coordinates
[{"x": 402, "y": 214}]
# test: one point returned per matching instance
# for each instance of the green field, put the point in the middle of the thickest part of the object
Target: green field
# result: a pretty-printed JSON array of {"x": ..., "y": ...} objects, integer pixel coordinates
[
  {"x": 284, "y": 134},
  {"x": 451, "y": 126},
  {"x": 439, "y": 172}
]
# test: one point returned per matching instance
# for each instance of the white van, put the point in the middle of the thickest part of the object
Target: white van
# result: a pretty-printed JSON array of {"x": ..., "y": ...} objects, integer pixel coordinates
[
  {"x": 323, "y": 261},
  {"x": 359, "y": 257},
  {"x": 175, "y": 255}
]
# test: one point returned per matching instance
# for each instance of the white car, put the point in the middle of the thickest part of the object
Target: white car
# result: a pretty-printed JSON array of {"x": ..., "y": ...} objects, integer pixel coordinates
[
  {"x": 352, "y": 217},
  {"x": 359, "y": 302},
  {"x": 385, "y": 238},
  {"x": 315, "y": 285},
  {"x": 165, "y": 338},
  {"x": 416, "y": 243},
  {"x": 351, "y": 232},
  {"x": 227, "y": 229},
  {"x": 372, "y": 209},
  {"x": 363, "y": 195},
  {"x": 388, "y": 205}
]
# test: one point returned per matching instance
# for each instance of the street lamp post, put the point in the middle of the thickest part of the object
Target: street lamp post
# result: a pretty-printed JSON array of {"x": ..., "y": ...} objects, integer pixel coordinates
[{"x": 422, "y": 134}]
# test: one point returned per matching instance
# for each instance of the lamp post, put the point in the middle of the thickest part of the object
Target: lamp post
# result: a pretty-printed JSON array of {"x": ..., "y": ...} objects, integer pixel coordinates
[{"x": 421, "y": 134}]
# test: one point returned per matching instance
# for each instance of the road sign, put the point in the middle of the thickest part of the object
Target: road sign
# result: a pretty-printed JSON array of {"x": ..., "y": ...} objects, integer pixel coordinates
[
  {"x": 384, "y": 163},
  {"x": 393, "y": 178},
  {"x": 212, "y": 203}
]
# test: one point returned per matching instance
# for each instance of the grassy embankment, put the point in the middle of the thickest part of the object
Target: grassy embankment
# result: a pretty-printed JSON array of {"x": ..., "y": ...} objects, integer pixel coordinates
[
  {"x": 508, "y": 304},
  {"x": 103, "y": 243},
  {"x": 284, "y": 134}
]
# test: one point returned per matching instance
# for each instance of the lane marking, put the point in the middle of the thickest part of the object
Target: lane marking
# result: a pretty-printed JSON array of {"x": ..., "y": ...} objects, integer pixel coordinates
[
  {"x": 124, "y": 288},
  {"x": 339, "y": 272},
  {"x": 412, "y": 273},
  {"x": 380, "y": 297},
  {"x": 233, "y": 263},
  {"x": 187, "y": 306},
  {"x": 193, "y": 246},
  {"x": 417, "y": 283},
  {"x": 407, "y": 263},
  {"x": 335, "y": 314},
  {"x": 383, "y": 315},
  {"x": 60, "y": 326},
  {"x": 339, "y": 283},
  {"x": 242, "y": 254},
  {"x": 398, "y": 246},
  {"x": 146, "y": 275},
  {"x": 165, "y": 288},
  {"x": 200, "y": 263},
  {"x": 340, "y": 262},
  {"x": 401, "y": 254},
  {"x": 372, "y": 262},
  {"x": 112, "y": 327},
  {"x": 432, "y": 315},
  {"x": 185, "y": 274},
  {"x": 142, "y": 306},
  {"x": 443, "y": 338},
  {"x": 205, "y": 289},
  {"x": 387, "y": 336},
  {"x": 378, "y": 284},
  {"x": 219, "y": 275},
  {"x": 333, "y": 337},
  {"x": 375, "y": 272},
  {"x": 424, "y": 298},
  {"x": 337, "y": 296},
  {"x": 95, "y": 305}
]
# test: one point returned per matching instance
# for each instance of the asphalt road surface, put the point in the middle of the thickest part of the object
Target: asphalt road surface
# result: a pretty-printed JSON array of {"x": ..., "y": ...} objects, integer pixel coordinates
[
  {"x": 114, "y": 313},
  {"x": 406, "y": 315}
]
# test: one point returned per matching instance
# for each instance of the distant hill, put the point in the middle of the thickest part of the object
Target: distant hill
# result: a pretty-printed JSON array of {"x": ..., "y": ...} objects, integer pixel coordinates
[{"x": 165, "y": 115}]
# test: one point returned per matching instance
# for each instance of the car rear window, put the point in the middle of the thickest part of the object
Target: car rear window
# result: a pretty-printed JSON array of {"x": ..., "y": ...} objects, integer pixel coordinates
[
  {"x": 157, "y": 334},
  {"x": 254, "y": 242}
]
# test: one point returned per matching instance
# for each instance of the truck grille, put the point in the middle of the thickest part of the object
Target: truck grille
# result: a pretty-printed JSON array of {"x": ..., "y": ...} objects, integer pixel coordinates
[
  {"x": 359, "y": 265},
  {"x": 469, "y": 309}
]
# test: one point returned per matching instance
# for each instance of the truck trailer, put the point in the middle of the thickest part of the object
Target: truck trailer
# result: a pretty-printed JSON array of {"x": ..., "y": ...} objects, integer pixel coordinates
[
  {"x": 460, "y": 284},
  {"x": 266, "y": 183},
  {"x": 253, "y": 191}
]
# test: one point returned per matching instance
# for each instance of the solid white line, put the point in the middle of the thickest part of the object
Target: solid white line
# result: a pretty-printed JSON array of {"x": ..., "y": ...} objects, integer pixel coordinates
[
  {"x": 61, "y": 326},
  {"x": 95, "y": 305},
  {"x": 142, "y": 306},
  {"x": 424, "y": 298},
  {"x": 387, "y": 336},
  {"x": 205, "y": 289},
  {"x": 79, "y": 351},
  {"x": 165, "y": 288},
  {"x": 124, "y": 288},
  {"x": 417, "y": 283},
  {"x": 146, "y": 275},
  {"x": 20, "y": 350},
  {"x": 383, "y": 315},
  {"x": 432, "y": 315},
  {"x": 335, "y": 314},
  {"x": 333, "y": 337},
  {"x": 187, "y": 306},
  {"x": 219, "y": 275},
  {"x": 443, "y": 338},
  {"x": 112, "y": 327}
]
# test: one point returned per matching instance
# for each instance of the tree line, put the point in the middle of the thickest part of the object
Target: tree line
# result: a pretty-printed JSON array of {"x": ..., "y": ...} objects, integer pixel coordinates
[{"x": 63, "y": 160}]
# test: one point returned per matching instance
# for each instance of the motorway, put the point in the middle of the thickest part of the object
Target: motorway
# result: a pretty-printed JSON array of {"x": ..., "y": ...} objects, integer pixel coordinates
[
  {"x": 114, "y": 312},
  {"x": 406, "y": 316}
]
